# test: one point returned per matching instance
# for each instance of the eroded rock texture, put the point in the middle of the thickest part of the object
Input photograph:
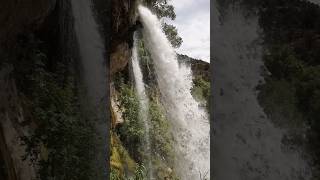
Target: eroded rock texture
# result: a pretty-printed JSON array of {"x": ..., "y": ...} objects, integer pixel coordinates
[{"x": 123, "y": 21}]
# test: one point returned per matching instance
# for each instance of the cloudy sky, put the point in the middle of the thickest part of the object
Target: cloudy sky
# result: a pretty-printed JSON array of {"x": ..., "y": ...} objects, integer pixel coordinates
[{"x": 193, "y": 23}]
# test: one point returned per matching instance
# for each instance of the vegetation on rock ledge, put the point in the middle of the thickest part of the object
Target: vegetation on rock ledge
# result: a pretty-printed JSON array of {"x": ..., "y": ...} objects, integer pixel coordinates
[{"x": 61, "y": 144}]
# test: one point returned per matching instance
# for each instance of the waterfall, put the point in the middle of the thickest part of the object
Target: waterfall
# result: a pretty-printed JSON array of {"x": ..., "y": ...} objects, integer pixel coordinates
[
  {"x": 91, "y": 49},
  {"x": 144, "y": 102},
  {"x": 190, "y": 125},
  {"x": 93, "y": 72}
]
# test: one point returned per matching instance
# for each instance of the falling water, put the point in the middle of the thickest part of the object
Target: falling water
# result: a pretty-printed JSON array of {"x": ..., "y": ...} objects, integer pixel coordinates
[
  {"x": 189, "y": 122},
  {"x": 91, "y": 49},
  {"x": 144, "y": 102},
  {"x": 93, "y": 72}
]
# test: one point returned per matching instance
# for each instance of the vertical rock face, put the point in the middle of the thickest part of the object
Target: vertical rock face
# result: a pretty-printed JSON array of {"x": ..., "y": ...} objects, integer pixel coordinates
[
  {"x": 22, "y": 16},
  {"x": 12, "y": 127},
  {"x": 123, "y": 20},
  {"x": 123, "y": 17},
  {"x": 119, "y": 57},
  {"x": 52, "y": 22}
]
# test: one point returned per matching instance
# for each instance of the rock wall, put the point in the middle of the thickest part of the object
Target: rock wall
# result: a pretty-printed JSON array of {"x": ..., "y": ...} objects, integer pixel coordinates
[
  {"x": 22, "y": 16},
  {"x": 51, "y": 21},
  {"x": 13, "y": 126},
  {"x": 123, "y": 25},
  {"x": 123, "y": 21}
]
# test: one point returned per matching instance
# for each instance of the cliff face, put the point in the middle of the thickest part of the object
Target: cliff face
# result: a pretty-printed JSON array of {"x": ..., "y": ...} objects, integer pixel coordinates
[
  {"x": 23, "y": 23},
  {"x": 16, "y": 18},
  {"x": 123, "y": 20},
  {"x": 22, "y": 16},
  {"x": 12, "y": 127},
  {"x": 44, "y": 28}
]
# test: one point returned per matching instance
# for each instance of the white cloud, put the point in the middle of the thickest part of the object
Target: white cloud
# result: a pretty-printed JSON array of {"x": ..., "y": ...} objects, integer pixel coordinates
[{"x": 193, "y": 23}]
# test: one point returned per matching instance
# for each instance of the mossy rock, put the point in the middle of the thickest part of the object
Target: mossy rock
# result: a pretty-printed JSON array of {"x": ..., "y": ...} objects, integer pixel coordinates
[{"x": 120, "y": 159}]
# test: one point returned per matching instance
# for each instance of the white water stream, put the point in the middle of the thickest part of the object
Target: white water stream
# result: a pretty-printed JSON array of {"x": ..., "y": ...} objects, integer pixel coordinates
[
  {"x": 144, "y": 103},
  {"x": 189, "y": 122},
  {"x": 91, "y": 49}
]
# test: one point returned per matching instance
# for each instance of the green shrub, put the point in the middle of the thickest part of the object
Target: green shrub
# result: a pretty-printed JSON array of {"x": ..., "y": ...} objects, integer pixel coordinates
[
  {"x": 201, "y": 91},
  {"x": 61, "y": 144},
  {"x": 292, "y": 91},
  {"x": 283, "y": 63},
  {"x": 114, "y": 175},
  {"x": 132, "y": 130},
  {"x": 160, "y": 135}
]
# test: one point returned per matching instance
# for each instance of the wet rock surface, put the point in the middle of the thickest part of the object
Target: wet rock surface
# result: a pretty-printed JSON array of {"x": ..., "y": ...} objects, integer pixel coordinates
[{"x": 123, "y": 19}]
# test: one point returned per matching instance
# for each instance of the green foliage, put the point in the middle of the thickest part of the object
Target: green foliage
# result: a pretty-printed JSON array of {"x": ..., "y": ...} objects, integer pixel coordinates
[
  {"x": 114, "y": 175},
  {"x": 146, "y": 64},
  {"x": 118, "y": 80},
  {"x": 161, "y": 139},
  {"x": 143, "y": 53},
  {"x": 120, "y": 160},
  {"x": 132, "y": 130},
  {"x": 308, "y": 91},
  {"x": 201, "y": 90},
  {"x": 162, "y": 8},
  {"x": 284, "y": 63},
  {"x": 291, "y": 37},
  {"x": 172, "y": 34},
  {"x": 62, "y": 141},
  {"x": 280, "y": 103},
  {"x": 140, "y": 173}
]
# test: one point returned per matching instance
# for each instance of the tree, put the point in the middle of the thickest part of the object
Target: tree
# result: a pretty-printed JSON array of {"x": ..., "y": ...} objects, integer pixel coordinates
[
  {"x": 172, "y": 34},
  {"x": 163, "y": 9}
]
